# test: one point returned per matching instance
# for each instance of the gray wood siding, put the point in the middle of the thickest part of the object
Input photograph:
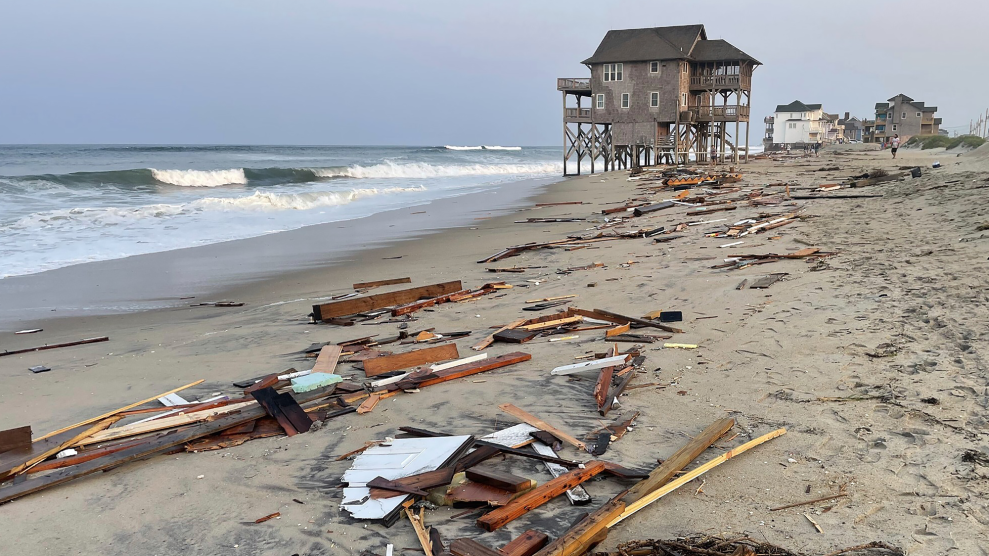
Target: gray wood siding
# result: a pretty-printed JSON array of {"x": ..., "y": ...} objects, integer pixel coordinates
[{"x": 638, "y": 83}]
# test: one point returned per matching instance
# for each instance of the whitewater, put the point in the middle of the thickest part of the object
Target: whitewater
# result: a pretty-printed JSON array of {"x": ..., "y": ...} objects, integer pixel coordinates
[{"x": 66, "y": 205}]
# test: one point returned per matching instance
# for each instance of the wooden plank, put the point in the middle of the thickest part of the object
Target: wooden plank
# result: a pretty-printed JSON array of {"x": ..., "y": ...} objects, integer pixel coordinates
[
  {"x": 294, "y": 412},
  {"x": 479, "y": 455},
  {"x": 463, "y": 370},
  {"x": 602, "y": 386},
  {"x": 368, "y": 404},
  {"x": 458, "y": 362},
  {"x": 266, "y": 397},
  {"x": 591, "y": 365},
  {"x": 415, "y": 306},
  {"x": 499, "y": 479},
  {"x": 152, "y": 446},
  {"x": 398, "y": 488},
  {"x": 693, "y": 474},
  {"x": 420, "y": 481},
  {"x": 43, "y": 450},
  {"x": 620, "y": 329},
  {"x": 387, "y": 363},
  {"x": 681, "y": 459},
  {"x": 766, "y": 281},
  {"x": 551, "y": 458},
  {"x": 515, "y": 336},
  {"x": 586, "y": 533},
  {"x": 577, "y": 495},
  {"x": 15, "y": 439},
  {"x": 601, "y": 314},
  {"x": 526, "y": 544},
  {"x": 531, "y": 419},
  {"x": 326, "y": 361},
  {"x": 470, "y": 547},
  {"x": 553, "y": 323},
  {"x": 379, "y": 283},
  {"x": 56, "y": 346},
  {"x": 615, "y": 391},
  {"x": 639, "y": 211},
  {"x": 538, "y": 496},
  {"x": 420, "y": 529},
  {"x": 379, "y": 301},
  {"x": 115, "y": 411},
  {"x": 490, "y": 339},
  {"x": 479, "y": 493},
  {"x": 156, "y": 425}
]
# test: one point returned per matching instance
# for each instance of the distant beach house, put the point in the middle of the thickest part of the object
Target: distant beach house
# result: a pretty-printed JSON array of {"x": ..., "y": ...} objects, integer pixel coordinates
[
  {"x": 797, "y": 124},
  {"x": 660, "y": 94},
  {"x": 903, "y": 116},
  {"x": 851, "y": 127}
]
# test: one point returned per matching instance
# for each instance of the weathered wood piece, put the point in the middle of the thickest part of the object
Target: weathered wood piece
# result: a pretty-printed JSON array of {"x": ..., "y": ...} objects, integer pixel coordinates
[
  {"x": 766, "y": 281},
  {"x": 531, "y": 419},
  {"x": 17, "y": 461},
  {"x": 681, "y": 458},
  {"x": 620, "y": 329},
  {"x": 591, "y": 365},
  {"x": 616, "y": 390},
  {"x": 602, "y": 386},
  {"x": 379, "y": 283},
  {"x": 601, "y": 314},
  {"x": 379, "y": 301},
  {"x": 586, "y": 533},
  {"x": 395, "y": 486},
  {"x": 515, "y": 336},
  {"x": 116, "y": 411},
  {"x": 469, "y": 547},
  {"x": 490, "y": 339},
  {"x": 499, "y": 479},
  {"x": 526, "y": 544},
  {"x": 639, "y": 211},
  {"x": 155, "y": 425},
  {"x": 471, "y": 492},
  {"x": 458, "y": 362},
  {"x": 420, "y": 528},
  {"x": 421, "y": 482},
  {"x": 552, "y": 323},
  {"x": 651, "y": 497},
  {"x": 577, "y": 495},
  {"x": 551, "y": 458},
  {"x": 538, "y": 496},
  {"x": 461, "y": 371},
  {"x": 368, "y": 404},
  {"x": 417, "y": 305},
  {"x": 387, "y": 363},
  {"x": 15, "y": 439},
  {"x": 326, "y": 362},
  {"x": 56, "y": 346}
]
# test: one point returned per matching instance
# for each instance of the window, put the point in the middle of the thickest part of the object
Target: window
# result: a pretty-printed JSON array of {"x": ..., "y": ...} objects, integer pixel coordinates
[
  {"x": 613, "y": 72},
  {"x": 918, "y": 114},
  {"x": 653, "y": 67},
  {"x": 600, "y": 101},
  {"x": 654, "y": 99},
  {"x": 683, "y": 99},
  {"x": 894, "y": 127},
  {"x": 685, "y": 67},
  {"x": 624, "y": 100},
  {"x": 792, "y": 125},
  {"x": 889, "y": 114}
]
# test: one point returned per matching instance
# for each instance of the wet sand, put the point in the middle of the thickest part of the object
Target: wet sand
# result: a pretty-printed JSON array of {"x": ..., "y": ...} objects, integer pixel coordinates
[{"x": 888, "y": 431}]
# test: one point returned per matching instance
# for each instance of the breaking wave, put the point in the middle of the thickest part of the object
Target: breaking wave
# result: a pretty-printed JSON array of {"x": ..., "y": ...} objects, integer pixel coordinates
[
  {"x": 456, "y": 148},
  {"x": 150, "y": 177},
  {"x": 102, "y": 217},
  {"x": 500, "y": 148}
]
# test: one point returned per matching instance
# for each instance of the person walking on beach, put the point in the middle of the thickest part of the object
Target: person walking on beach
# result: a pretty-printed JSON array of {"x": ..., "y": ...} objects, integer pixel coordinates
[
  {"x": 817, "y": 148},
  {"x": 895, "y": 144}
]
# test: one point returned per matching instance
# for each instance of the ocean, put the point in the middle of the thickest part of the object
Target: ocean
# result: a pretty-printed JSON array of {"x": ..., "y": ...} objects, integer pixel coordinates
[{"x": 65, "y": 205}]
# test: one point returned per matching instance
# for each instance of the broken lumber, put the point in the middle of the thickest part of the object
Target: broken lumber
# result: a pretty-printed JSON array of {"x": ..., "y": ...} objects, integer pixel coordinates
[
  {"x": 639, "y": 211},
  {"x": 469, "y": 547},
  {"x": 526, "y": 544},
  {"x": 56, "y": 346},
  {"x": 591, "y": 365},
  {"x": 490, "y": 339},
  {"x": 577, "y": 495},
  {"x": 552, "y": 323},
  {"x": 379, "y": 283},
  {"x": 531, "y": 419},
  {"x": 368, "y": 404},
  {"x": 356, "y": 305},
  {"x": 693, "y": 474},
  {"x": 422, "y": 304},
  {"x": 326, "y": 362},
  {"x": 538, "y": 496},
  {"x": 499, "y": 479},
  {"x": 601, "y": 314},
  {"x": 460, "y": 371},
  {"x": 387, "y": 363},
  {"x": 15, "y": 439}
]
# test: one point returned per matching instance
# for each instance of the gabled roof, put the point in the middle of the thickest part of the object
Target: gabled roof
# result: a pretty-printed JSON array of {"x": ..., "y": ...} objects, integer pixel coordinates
[
  {"x": 903, "y": 96},
  {"x": 797, "y": 106},
  {"x": 680, "y": 42},
  {"x": 718, "y": 49},
  {"x": 882, "y": 106},
  {"x": 654, "y": 43}
]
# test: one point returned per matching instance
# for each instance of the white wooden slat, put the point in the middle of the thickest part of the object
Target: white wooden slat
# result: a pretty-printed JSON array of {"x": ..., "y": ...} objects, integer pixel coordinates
[{"x": 590, "y": 365}]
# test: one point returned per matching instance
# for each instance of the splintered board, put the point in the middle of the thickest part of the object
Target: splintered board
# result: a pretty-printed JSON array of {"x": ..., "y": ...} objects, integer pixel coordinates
[
  {"x": 379, "y": 283},
  {"x": 387, "y": 363},
  {"x": 382, "y": 300}
]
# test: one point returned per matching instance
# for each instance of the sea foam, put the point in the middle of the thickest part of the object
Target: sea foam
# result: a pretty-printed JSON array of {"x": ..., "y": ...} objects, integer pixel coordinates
[
  {"x": 425, "y": 170},
  {"x": 200, "y": 178}
]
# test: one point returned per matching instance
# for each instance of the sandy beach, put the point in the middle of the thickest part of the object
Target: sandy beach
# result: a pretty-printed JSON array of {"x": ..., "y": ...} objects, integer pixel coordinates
[{"x": 873, "y": 360}]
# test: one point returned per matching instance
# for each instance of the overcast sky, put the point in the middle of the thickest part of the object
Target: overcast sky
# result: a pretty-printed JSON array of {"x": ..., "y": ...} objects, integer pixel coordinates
[{"x": 435, "y": 72}]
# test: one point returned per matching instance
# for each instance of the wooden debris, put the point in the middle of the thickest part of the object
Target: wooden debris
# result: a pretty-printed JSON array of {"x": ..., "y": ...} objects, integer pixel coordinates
[
  {"x": 551, "y": 298},
  {"x": 379, "y": 283},
  {"x": 807, "y": 502},
  {"x": 538, "y": 496},
  {"x": 591, "y": 365},
  {"x": 620, "y": 329},
  {"x": 490, "y": 339},
  {"x": 468, "y": 547},
  {"x": 766, "y": 281},
  {"x": 814, "y": 523},
  {"x": 515, "y": 336},
  {"x": 267, "y": 517},
  {"x": 15, "y": 439},
  {"x": 531, "y": 419},
  {"x": 56, "y": 346},
  {"x": 387, "y": 363},
  {"x": 500, "y": 479},
  {"x": 219, "y": 304},
  {"x": 326, "y": 362},
  {"x": 473, "y": 492},
  {"x": 379, "y": 301},
  {"x": 526, "y": 544},
  {"x": 553, "y": 323},
  {"x": 577, "y": 495},
  {"x": 601, "y": 314},
  {"x": 368, "y": 404},
  {"x": 418, "y": 524}
]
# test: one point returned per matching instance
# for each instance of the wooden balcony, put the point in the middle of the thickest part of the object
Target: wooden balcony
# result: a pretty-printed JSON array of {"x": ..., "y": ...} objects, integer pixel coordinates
[
  {"x": 709, "y": 82},
  {"x": 577, "y": 115},
  {"x": 729, "y": 113},
  {"x": 574, "y": 85}
]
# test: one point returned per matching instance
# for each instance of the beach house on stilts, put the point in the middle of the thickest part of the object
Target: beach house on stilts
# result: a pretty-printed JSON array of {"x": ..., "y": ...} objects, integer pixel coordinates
[{"x": 657, "y": 95}]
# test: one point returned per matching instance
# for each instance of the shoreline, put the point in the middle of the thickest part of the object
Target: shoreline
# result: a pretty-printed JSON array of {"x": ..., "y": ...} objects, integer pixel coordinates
[{"x": 171, "y": 279}]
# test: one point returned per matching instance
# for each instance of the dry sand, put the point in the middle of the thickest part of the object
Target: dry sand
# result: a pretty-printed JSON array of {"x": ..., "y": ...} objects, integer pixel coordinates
[{"x": 911, "y": 272}]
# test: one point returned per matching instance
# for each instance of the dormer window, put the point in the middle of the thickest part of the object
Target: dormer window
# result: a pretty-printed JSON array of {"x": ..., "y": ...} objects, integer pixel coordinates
[
  {"x": 653, "y": 67},
  {"x": 613, "y": 72}
]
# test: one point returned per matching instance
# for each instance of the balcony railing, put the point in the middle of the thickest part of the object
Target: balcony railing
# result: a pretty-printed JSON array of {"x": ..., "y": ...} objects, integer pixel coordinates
[
  {"x": 577, "y": 114},
  {"x": 721, "y": 82},
  {"x": 573, "y": 84},
  {"x": 729, "y": 113}
]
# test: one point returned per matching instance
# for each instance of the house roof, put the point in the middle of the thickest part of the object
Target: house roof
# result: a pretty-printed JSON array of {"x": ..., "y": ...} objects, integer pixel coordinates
[
  {"x": 797, "y": 106},
  {"x": 902, "y": 96},
  {"x": 718, "y": 49},
  {"x": 679, "y": 42},
  {"x": 937, "y": 121},
  {"x": 882, "y": 105}
]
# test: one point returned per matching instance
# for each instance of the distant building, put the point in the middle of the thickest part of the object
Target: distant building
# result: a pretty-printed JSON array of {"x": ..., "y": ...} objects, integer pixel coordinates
[
  {"x": 831, "y": 130},
  {"x": 660, "y": 94},
  {"x": 868, "y": 130},
  {"x": 796, "y": 124},
  {"x": 852, "y": 128},
  {"x": 903, "y": 116}
]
